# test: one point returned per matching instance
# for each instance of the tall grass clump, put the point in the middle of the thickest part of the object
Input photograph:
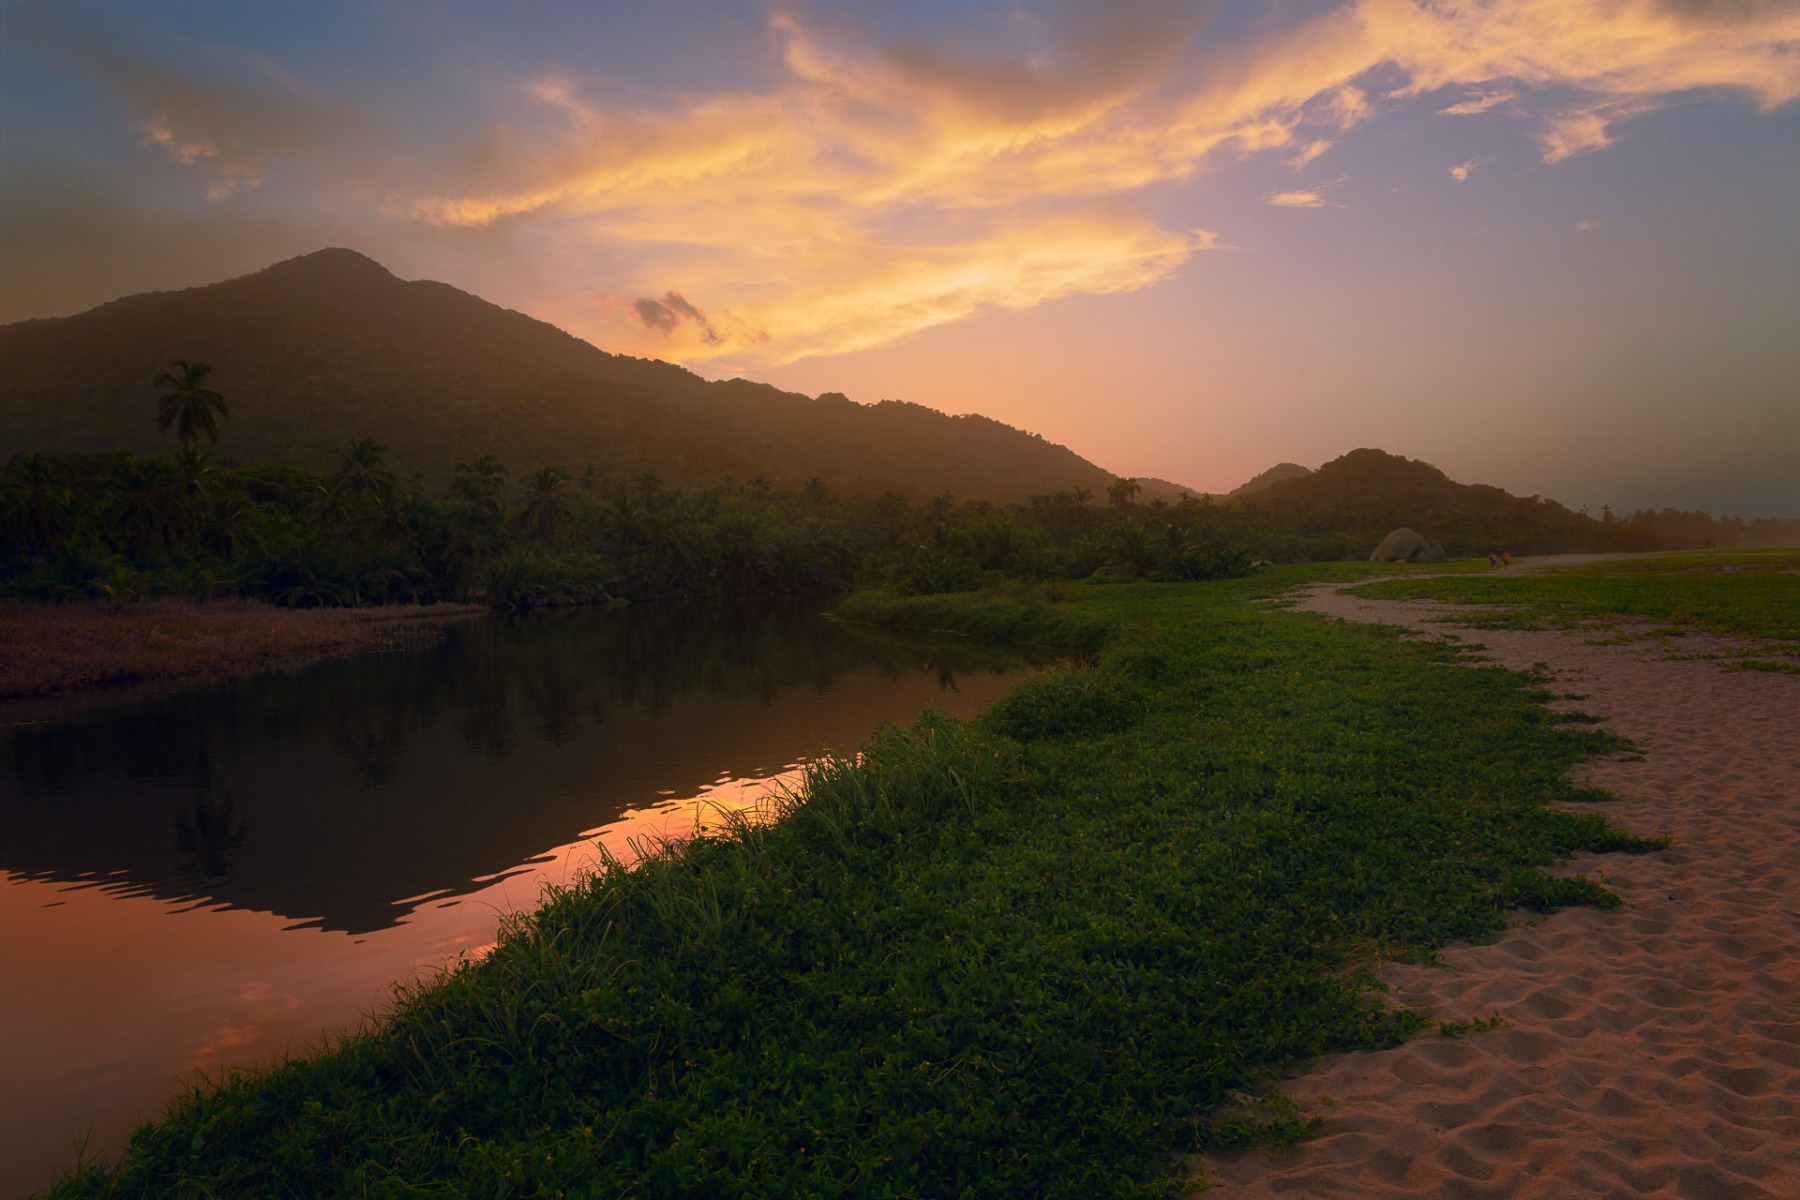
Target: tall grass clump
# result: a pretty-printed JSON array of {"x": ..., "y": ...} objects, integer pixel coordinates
[
  {"x": 1021, "y": 614},
  {"x": 1024, "y": 955}
]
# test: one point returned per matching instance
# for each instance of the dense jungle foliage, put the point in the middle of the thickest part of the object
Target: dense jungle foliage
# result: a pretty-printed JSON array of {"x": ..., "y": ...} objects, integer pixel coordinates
[
  {"x": 194, "y": 525},
  {"x": 118, "y": 526}
]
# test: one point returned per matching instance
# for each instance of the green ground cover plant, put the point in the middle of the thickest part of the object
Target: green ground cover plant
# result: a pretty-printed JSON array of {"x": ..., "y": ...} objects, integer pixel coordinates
[
  {"x": 1736, "y": 593},
  {"x": 1030, "y": 954}
]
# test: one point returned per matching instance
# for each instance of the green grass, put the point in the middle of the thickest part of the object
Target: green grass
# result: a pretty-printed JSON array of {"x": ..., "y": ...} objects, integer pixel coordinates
[
  {"x": 1741, "y": 593},
  {"x": 1035, "y": 954}
]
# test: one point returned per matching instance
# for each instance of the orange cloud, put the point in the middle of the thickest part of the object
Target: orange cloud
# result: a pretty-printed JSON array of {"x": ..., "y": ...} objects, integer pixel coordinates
[
  {"x": 1297, "y": 200},
  {"x": 1461, "y": 171},
  {"x": 1480, "y": 103},
  {"x": 872, "y": 193}
]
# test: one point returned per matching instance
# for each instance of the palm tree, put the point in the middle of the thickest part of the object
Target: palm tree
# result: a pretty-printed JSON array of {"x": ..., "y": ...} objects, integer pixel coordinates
[
  {"x": 1130, "y": 543},
  {"x": 139, "y": 506},
  {"x": 189, "y": 406},
  {"x": 37, "y": 508},
  {"x": 192, "y": 487},
  {"x": 360, "y": 471},
  {"x": 1122, "y": 491},
  {"x": 547, "y": 501}
]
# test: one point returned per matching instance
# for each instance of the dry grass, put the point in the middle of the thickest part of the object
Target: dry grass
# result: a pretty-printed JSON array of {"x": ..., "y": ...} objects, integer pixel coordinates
[{"x": 44, "y": 650}]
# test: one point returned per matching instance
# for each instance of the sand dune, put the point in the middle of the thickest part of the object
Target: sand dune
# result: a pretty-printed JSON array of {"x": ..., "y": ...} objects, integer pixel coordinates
[{"x": 1651, "y": 1051}]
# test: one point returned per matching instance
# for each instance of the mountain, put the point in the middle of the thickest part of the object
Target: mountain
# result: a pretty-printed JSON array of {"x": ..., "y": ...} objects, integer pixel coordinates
[
  {"x": 1273, "y": 475},
  {"x": 1354, "y": 501},
  {"x": 1151, "y": 488},
  {"x": 330, "y": 346}
]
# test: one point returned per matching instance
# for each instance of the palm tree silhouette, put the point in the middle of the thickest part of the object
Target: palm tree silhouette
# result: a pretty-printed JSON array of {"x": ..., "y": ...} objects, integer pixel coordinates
[
  {"x": 546, "y": 503},
  {"x": 189, "y": 406}
]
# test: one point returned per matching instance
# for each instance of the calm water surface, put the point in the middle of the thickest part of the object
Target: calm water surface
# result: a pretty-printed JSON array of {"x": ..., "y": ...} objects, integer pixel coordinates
[{"x": 212, "y": 876}]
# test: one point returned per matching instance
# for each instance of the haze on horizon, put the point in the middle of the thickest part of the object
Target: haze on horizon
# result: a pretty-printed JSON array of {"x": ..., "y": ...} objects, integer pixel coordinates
[{"x": 1544, "y": 245}]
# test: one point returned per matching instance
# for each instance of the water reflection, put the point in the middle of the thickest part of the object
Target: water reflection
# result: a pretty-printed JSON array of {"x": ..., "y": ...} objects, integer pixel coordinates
[{"x": 341, "y": 795}]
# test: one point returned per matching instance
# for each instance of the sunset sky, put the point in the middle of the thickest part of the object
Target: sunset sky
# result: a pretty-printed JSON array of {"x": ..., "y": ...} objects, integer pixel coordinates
[{"x": 1549, "y": 245}]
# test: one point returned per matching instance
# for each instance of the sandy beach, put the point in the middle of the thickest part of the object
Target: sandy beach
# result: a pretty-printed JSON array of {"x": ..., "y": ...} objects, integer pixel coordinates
[{"x": 1649, "y": 1051}]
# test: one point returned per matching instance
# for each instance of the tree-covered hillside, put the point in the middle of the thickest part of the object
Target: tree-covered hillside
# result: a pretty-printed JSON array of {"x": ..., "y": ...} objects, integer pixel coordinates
[
  {"x": 1345, "y": 507},
  {"x": 330, "y": 346}
]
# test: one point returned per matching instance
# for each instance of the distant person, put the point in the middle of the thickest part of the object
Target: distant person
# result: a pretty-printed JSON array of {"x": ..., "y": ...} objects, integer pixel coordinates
[
  {"x": 1506, "y": 559},
  {"x": 1493, "y": 560}
]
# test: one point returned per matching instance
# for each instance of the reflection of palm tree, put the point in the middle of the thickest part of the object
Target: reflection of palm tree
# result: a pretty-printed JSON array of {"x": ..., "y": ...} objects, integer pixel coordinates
[
  {"x": 206, "y": 836},
  {"x": 189, "y": 406}
]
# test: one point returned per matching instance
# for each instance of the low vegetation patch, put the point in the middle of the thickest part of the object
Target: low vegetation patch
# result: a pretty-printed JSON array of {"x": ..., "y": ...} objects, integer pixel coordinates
[
  {"x": 1742, "y": 594},
  {"x": 1030, "y": 955},
  {"x": 1020, "y": 614}
]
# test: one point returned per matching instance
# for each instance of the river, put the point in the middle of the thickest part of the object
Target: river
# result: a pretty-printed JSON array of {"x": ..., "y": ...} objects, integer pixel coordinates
[{"x": 204, "y": 878}]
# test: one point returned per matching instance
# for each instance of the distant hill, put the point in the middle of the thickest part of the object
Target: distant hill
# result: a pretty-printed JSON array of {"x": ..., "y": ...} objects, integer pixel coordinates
[
  {"x": 1354, "y": 501},
  {"x": 330, "y": 346},
  {"x": 1151, "y": 488},
  {"x": 1274, "y": 475}
]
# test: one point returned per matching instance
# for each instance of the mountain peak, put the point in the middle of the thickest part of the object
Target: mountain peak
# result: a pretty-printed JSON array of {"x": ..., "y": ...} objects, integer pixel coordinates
[
  {"x": 1270, "y": 477},
  {"x": 331, "y": 263}
]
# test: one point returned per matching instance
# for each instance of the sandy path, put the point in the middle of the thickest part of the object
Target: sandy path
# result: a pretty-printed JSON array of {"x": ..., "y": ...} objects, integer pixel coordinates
[{"x": 1651, "y": 1051}]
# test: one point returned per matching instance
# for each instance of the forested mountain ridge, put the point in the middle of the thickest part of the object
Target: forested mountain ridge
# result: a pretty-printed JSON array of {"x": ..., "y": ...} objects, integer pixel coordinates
[
  {"x": 1345, "y": 507},
  {"x": 1269, "y": 478},
  {"x": 330, "y": 346}
]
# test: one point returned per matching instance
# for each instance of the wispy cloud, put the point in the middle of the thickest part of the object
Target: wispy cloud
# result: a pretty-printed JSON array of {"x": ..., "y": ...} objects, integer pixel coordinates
[
  {"x": 229, "y": 121},
  {"x": 670, "y": 313},
  {"x": 1312, "y": 197},
  {"x": 1297, "y": 199},
  {"x": 1461, "y": 171},
  {"x": 1589, "y": 127},
  {"x": 1307, "y": 153},
  {"x": 1479, "y": 103}
]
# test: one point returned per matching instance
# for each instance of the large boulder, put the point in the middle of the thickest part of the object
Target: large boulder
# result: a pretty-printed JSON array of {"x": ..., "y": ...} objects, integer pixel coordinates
[
  {"x": 1407, "y": 545},
  {"x": 1398, "y": 546}
]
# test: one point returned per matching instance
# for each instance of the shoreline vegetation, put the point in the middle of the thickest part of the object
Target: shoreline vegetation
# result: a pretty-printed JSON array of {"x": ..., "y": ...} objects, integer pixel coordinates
[
  {"x": 55, "y": 650},
  {"x": 1043, "y": 952},
  {"x": 1735, "y": 593}
]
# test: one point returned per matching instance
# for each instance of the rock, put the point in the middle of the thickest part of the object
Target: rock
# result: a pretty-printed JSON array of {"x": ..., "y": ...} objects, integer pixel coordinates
[
  {"x": 1398, "y": 546},
  {"x": 1407, "y": 545}
]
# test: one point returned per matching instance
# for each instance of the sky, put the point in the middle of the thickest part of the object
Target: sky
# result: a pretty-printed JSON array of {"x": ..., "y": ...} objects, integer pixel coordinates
[{"x": 1543, "y": 244}]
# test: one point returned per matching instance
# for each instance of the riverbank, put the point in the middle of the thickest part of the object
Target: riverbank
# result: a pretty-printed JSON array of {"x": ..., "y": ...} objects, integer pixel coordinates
[
  {"x": 1030, "y": 954},
  {"x": 1646, "y": 1050},
  {"x": 50, "y": 650}
]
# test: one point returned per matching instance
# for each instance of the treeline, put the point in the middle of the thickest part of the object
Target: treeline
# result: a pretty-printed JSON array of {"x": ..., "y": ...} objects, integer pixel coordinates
[
  {"x": 119, "y": 526},
  {"x": 190, "y": 525}
]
